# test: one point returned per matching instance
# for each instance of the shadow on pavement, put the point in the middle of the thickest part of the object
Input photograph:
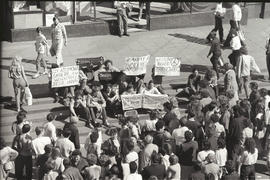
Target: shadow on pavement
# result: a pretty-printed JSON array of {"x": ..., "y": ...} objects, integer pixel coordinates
[
  {"x": 40, "y": 90},
  {"x": 62, "y": 113},
  {"x": 191, "y": 38},
  {"x": 189, "y": 67}
]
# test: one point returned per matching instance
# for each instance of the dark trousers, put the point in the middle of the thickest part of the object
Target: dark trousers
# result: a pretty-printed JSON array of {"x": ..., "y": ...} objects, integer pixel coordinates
[
  {"x": 247, "y": 172},
  {"x": 233, "y": 57},
  {"x": 20, "y": 163},
  {"x": 268, "y": 63},
  {"x": 122, "y": 21},
  {"x": 219, "y": 27},
  {"x": 214, "y": 61},
  {"x": 86, "y": 113}
]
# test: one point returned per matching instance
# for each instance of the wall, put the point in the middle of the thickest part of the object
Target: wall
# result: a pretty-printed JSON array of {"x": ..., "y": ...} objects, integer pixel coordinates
[
  {"x": 74, "y": 30},
  {"x": 171, "y": 21}
]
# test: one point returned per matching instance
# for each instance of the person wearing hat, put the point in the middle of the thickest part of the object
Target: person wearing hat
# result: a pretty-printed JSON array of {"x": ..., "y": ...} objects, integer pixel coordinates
[
  {"x": 211, "y": 167},
  {"x": 245, "y": 64},
  {"x": 235, "y": 44},
  {"x": 230, "y": 82},
  {"x": 215, "y": 50},
  {"x": 72, "y": 126},
  {"x": 58, "y": 35}
]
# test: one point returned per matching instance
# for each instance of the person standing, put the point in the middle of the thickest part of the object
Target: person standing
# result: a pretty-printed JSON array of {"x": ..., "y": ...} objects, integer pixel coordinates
[
  {"x": 215, "y": 50},
  {"x": 230, "y": 82},
  {"x": 58, "y": 35},
  {"x": 235, "y": 44},
  {"x": 41, "y": 48},
  {"x": 267, "y": 46},
  {"x": 219, "y": 15},
  {"x": 72, "y": 126},
  {"x": 16, "y": 72},
  {"x": 237, "y": 14},
  {"x": 141, "y": 5},
  {"x": 245, "y": 64},
  {"x": 122, "y": 18}
]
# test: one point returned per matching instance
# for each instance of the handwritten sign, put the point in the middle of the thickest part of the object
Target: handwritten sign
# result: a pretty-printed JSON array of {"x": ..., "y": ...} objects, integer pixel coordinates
[
  {"x": 154, "y": 101},
  {"x": 167, "y": 66},
  {"x": 131, "y": 101},
  {"x": 136, "y": 65},
  {"x": 65, "y": 76}
]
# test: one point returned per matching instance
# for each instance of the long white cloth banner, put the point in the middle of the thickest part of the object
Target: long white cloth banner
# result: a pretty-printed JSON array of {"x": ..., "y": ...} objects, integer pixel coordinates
[
  {"x": 167, "y": 66},
  {"x": 146, "y": 101}
]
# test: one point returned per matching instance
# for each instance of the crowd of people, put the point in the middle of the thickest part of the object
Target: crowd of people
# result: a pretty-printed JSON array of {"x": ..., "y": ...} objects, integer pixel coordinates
[{"x": 217, "y": 137}]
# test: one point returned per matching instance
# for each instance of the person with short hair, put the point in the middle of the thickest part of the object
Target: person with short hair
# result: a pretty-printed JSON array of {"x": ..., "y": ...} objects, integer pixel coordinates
[
  {"x": 16, "y": 72},
  {"x": 219, "y": 15},
  {"x": 57, "y": 159},
  {"x": 94, "y": 170},
  {"x": 40, "y": 141},
  {"x": 122, "y": 16},
  {"x": 151, "y": 89},
  {"x": 72, "y": 127},
  {"x": 58, "y": 35},
  {"x": 41, "y": 49},
  {"x": 237, "y": 14},
  {"x": 215, "y": 50},
  {"x": 70, "y": 171},
  {"x": 179, "y": 134},
  {"x": 244, "y": 65},
  {"x": 174, "y": 170},
  {"x": 42, "y": 159},
  {"x": 49, "y": 173},
  {"x": 133, "y": 172},
  {"x": 211, "y": 167},
  {"x": 78, "y": 161},
  {"x": 49, "y": 127},
  {"x": 201, "y": 156},
  {"x": 65, "y": 145},
  {"x": 155, "y": 169},
  {"x": 24, "y": 159},
  {"x": 235, "y": 44}
]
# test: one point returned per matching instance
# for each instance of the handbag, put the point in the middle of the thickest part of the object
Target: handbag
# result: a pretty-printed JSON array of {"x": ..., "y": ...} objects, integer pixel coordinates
[{"x": 28, "y": 96}]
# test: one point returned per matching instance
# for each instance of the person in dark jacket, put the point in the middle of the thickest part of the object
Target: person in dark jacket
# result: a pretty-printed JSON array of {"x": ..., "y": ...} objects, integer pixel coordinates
[
  {"x": 78, "y": 161},
  {"x": 155, "y": 169},
  {"x": 74, "y": 137},
  {"x": 215, "y": 50}
]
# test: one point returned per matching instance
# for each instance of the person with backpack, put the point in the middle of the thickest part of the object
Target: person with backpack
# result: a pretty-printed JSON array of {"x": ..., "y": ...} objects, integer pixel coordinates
[{"x": 267, "y": 46}]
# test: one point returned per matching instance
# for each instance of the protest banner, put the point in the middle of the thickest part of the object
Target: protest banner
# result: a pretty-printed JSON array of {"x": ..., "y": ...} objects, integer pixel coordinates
[
  {"x": 65, "y": 76},
  {"x": 133, "y": 101},
  {"x": 136, "y": 65},
  {"x": 154, "y": 101},
  {"x": 167, "y": 66}
]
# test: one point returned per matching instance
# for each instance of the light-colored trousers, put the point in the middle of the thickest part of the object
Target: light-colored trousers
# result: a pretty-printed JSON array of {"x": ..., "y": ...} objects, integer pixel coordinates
[{"x": 56, "y": 50}]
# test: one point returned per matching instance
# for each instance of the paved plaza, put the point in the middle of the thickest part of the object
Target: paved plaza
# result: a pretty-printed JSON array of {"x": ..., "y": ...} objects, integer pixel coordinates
[{"x": 186, "y": 43}]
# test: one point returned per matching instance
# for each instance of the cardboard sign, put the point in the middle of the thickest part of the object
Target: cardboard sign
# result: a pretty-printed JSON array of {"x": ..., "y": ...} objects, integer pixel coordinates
[
  {"x": 131, "y": 101},
  {"x": 136, "y": 65},
  {"x": 65, "y": 76},
  {"x": 167, "y": 66},
  {"x": 154, "y": 101}
]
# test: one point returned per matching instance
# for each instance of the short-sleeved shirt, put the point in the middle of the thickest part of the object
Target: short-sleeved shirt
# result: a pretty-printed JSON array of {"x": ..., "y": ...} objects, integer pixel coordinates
[
  {"x": 40, "y": 43},
  {"x": 58, "y": 31}
]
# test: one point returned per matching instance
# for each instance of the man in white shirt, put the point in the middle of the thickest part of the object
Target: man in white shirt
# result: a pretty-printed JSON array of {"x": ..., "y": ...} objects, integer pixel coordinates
[
  {"x": 49, "y": 128},
  {"x": 65, "y": 145},
  {"x": 147, "y": 151},
  {"x": 179, "y": 134},
  {"x": 133, "y": 172},
  {"x": 237, "y": 14},
  {"x": 40, "y": 142},
  {"x": 122, "y": 16},
  {"x": 235, "y": 44},
  {"x": 219, "y": 15},
  {"x": 245, "y": 64}
]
